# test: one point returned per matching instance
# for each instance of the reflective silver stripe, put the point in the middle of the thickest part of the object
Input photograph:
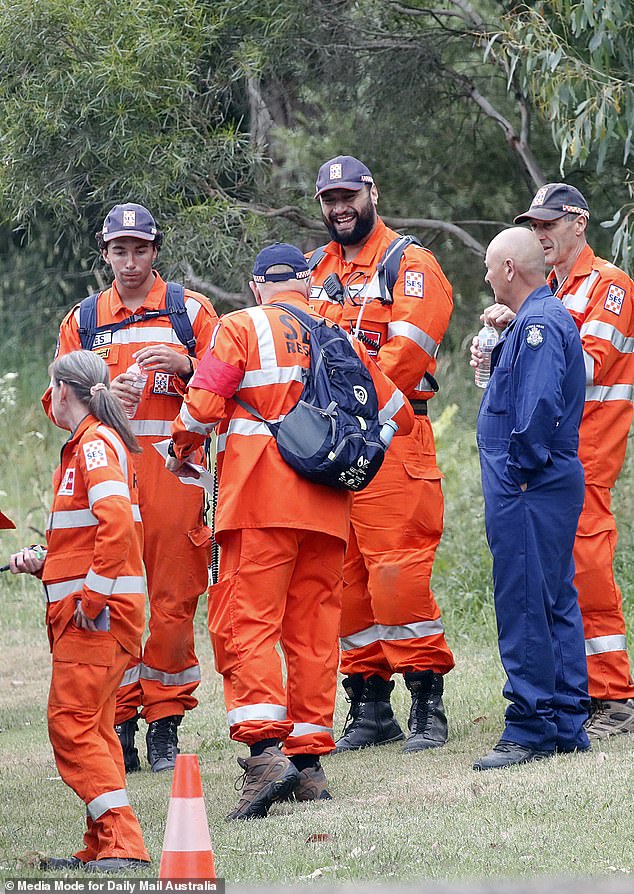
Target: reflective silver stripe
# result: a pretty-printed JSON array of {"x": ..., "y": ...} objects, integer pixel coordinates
[
  {"x": 264, "y": 334},
  {"x": 418, "y": 336},
  {"x": 192, "y": 306},
  {"x": 322, "y": 294},
  {"x": 378, "y": 632},
  {"x": 221, "y": 443},
  {"x": 136, "y": 512},
  {"x": 256, "y": 712},
  {"x": 108, "y": 801},
  {"x": 132, "y": 675},
  {"x": 603, "y": 393},
  {"x": 164, "y": 335},
  {"x": 109, "y": 586},
  {"x": 193, "y": 425},
  {"x": 579, "y": 300},
  {"x": 72, "y": 518},
  {"x": 609, "y": 333},
  {"x": 117, "y": 446},
  {"x": 189, "y": 675},
  {"x": 108, "y": 489},
  {"x": 158, "y": 428},
  {"x": 588, "y": 362},
  {"x": 392, "y": 407},
  {"x": 307, "y": 729},
  {"x": 278, "y": 376},
  {"x": 250, "y": 427},
  {"x": 55, "y": 592},
  {"x": 598, "y": 644}
]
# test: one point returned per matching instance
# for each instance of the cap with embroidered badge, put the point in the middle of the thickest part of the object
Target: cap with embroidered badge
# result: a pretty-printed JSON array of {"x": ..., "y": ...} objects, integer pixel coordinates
[
  {"x": 129, "y": 220},
  {"x": 342, "y": 172},
  {"x": 280, "y": 254},
  {"x": 554, "y": 200}
]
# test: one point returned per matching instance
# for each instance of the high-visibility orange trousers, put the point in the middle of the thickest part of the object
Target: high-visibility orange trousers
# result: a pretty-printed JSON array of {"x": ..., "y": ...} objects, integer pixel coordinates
[
  {"x": 278, "y": 585},
  {"x": 390, "y": 620},
  {"x": 600, "y": 600},
  {"x": 87, "y": 668},
  {"x": 176, "y": 555}
]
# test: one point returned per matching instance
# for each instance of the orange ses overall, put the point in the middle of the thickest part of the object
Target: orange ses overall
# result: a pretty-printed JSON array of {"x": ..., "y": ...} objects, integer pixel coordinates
[
  {"x": 95, "y": 540},
  {"x": 600, "y": 298},
  {"x": 282, "y": 536},
  {"x": 391, "y": 621},
  {"x": 176, "y": 550}
]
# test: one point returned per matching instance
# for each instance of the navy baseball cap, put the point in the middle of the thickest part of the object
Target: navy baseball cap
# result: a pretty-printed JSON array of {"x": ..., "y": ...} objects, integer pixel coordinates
[
  {"x": 129, "y": 220},
  {"x": 342, "y": 172},
  {"x": 280, "y": 254},
  {"x": 554, "y": 200}
]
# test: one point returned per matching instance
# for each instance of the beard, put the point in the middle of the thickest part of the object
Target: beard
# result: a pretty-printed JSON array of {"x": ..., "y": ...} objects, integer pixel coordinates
[{"x": 366, "y": 219}]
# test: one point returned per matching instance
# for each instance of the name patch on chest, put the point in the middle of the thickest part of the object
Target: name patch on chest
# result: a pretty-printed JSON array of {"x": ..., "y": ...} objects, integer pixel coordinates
[
  {"x": 95, "y": 455},
  {"x": 67, "y": 487},
  {"x": 535, "y": 335},
  {"x": 614, "y": 299},
  {"x": 102, "y": 338}
]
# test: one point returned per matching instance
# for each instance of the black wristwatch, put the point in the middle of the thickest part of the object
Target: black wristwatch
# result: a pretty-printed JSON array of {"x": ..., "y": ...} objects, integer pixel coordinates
[{"x": 170, "y": 450}]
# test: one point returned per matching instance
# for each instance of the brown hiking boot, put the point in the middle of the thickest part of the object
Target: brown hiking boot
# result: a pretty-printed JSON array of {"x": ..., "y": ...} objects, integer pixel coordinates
[
  {"x": 269, "y": 777},
  {"x": 312, "y": 785},
  {"x": 610, "y": 718}
]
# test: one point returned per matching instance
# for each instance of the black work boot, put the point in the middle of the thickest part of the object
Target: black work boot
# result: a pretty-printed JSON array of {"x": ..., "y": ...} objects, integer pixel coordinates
[
  {"x": 125, "y": 731},
  {"x": 427, "y": 721},
  {"x": 162, "y": 742},
  {"x": 371, "y": 720}
]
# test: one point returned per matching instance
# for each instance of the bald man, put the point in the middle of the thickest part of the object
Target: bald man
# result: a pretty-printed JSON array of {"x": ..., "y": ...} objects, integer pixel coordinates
[{"x": 532, "y": 480}]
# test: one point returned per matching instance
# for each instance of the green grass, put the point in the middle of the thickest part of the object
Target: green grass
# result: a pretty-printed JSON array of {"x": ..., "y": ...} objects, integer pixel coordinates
[{"x": 394, "y": 817}]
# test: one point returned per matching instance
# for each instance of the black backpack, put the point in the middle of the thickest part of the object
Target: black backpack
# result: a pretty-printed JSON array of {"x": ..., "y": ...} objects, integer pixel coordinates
[
  {"x": 91, "y": 335},
  {"x": 332, "y": 435}
]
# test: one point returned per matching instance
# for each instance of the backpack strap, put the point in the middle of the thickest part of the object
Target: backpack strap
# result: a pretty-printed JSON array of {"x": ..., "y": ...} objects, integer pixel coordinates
[
  {"x": 88, "y": 321},
  {"x": 388, "y": 267},
  {"x": 316, "y": 258},
  {"x": 175, "y": 308},
  {"x": 179, "y": 318},
  {"x": 303, "y": 318}
]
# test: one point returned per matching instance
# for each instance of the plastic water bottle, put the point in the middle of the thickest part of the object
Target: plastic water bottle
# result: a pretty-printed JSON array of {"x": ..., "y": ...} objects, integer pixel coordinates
[
  {"x": 388, "y": 430},
  {"x": 138, "y": 384},
  {"x": 487, "y": 339}
]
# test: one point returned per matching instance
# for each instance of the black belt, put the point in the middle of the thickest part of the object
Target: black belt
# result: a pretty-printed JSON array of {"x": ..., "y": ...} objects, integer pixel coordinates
[{"x": 419, "y": 407}]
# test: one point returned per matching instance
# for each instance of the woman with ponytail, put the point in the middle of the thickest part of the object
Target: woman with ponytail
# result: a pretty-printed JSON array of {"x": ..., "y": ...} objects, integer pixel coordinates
[{"x": 93, "y": 580}]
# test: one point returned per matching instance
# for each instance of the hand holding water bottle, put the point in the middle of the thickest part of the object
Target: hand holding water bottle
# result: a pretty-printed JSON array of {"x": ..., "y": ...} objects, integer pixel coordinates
[
  {"x": 487, "y": 339},
  {"x": 138, "y": 384}
]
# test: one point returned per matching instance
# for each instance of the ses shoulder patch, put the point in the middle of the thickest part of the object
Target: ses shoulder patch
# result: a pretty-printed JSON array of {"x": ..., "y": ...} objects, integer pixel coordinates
[
  {"x": 614, "y": 299},
  {"x": 414, "y": 283},
  {"x": 95, "y": 455},
  {"x": 535, "y": 335}
]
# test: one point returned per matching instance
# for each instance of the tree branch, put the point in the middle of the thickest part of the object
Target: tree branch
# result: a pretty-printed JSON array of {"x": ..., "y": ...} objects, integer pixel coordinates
[
  {"x": 422, "y": 223},
  {"x": 233, "y": 299}
]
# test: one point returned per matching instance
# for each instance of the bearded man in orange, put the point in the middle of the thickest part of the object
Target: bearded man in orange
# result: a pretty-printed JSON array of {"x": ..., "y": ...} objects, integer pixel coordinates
[{"x": 391, "y": 622}]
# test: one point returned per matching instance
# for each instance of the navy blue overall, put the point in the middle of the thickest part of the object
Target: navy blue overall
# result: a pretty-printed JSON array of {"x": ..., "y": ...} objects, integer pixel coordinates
[{"x": 527, "y": 432}]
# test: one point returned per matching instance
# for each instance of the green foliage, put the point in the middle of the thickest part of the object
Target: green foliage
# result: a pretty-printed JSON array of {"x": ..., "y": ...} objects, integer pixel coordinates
[{"x": 577, "y": 58}]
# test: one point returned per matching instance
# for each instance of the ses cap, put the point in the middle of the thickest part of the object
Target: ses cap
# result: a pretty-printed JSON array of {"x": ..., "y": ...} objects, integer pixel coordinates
[
  {"x": 129, "y": 220},
  {"x": 554, "y": 200},
  {"x": 342, "y": 172},
  {"x": 280, "y": 255}
]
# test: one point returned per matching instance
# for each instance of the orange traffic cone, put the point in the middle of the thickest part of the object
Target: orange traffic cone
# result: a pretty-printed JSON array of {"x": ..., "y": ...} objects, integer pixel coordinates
[{"x": 187, "y": 849}]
